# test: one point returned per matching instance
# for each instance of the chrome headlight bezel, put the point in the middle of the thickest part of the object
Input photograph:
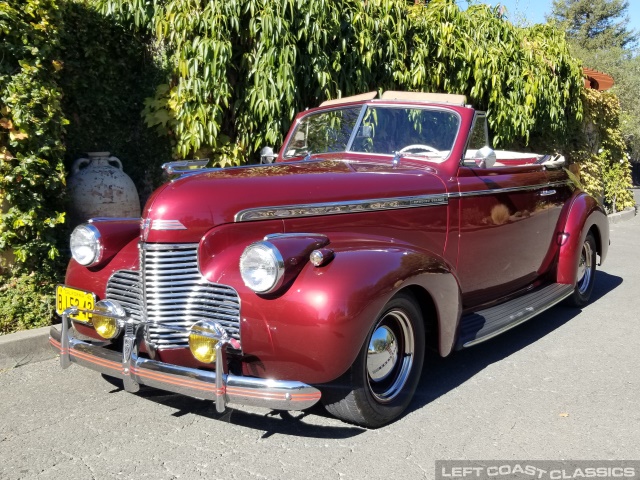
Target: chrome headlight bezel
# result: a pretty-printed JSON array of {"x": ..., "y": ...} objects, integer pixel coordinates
[
  {"x": 264, "y": 257},
  {"x": 86, "y": 236}
]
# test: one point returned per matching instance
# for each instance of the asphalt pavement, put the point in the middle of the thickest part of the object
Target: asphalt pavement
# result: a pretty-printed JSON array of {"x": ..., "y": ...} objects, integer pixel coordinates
[{"x": 563, "y": 386}]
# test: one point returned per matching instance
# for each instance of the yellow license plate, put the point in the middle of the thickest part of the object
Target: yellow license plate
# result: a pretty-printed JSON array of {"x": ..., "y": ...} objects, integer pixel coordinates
[{"x": 72, "y": 297}]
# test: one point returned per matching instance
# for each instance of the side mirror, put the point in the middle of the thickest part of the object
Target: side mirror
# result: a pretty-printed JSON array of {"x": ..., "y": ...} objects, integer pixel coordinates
[
  {"x": 267, "y": 155},
  {"x": 485, "y": 157}
]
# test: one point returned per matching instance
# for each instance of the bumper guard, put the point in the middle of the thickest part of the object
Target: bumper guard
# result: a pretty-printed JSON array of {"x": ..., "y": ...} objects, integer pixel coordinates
[{"x": 136, "y": 371}]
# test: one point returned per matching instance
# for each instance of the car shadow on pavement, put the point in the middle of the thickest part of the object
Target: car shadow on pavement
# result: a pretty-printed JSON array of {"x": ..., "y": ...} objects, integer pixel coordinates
[
  {"x": 297, "y": 423},
  {"x": 441, "y": 375},
  {"x": 271, "y": 421}
]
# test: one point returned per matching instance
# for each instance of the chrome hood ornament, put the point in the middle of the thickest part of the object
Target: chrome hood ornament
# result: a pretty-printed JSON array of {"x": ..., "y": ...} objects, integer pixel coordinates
[{"x": 181, "y": 167}]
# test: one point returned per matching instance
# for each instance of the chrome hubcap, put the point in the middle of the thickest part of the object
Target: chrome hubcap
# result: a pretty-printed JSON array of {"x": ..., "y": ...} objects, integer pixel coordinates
[
  {"x": 585, "y": 269},
  {"x": 383, "y": 353},
  {"x": 390, "y": 355}
]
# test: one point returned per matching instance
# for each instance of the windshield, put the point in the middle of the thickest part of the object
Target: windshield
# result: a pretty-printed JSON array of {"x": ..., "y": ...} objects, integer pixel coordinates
[{"x": 429, "y": 132}]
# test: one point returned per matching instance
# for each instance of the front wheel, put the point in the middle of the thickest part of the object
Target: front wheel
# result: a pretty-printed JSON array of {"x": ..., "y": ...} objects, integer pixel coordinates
[
  {"x": 586, "y": 274},
  {"x": 381, "y": 382}
]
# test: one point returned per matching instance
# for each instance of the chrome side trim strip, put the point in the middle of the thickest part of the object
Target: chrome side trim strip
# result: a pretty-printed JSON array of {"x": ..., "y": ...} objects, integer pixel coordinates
[
  {"x": 358, "y": 206},
  {"x": 113, "y": 219},
  {"x": 159, "y": 224},
  {"x": 166, "y": 246},
  {"x": 558, "y": 184},
  {"x": 336, "y": 208},
  {"x": 497, "y": 191},
  {"x": 273, "y": 236}
]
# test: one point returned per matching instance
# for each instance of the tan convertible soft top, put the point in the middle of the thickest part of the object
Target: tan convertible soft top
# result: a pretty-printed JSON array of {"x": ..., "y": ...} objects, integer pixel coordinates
[
  {"x": 425, "y": 97},
  {"x": 397, "y": 95}
]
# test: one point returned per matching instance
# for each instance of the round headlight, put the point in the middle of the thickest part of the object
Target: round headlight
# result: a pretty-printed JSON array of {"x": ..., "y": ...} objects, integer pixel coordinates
[
  {"x": 262, "y": 267},
  {"x": 106, "y": 322},
  {"x": 86, "y": 247}
]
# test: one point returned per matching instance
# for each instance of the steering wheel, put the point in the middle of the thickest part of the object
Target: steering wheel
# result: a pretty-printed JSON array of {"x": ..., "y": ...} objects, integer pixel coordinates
[{"x": 419, "y": 146}]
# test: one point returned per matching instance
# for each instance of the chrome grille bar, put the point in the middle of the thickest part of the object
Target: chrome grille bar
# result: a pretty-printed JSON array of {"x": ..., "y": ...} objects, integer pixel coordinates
[
  {"x": 170, "y": 292},
  {"x": 124, "y": 287}
]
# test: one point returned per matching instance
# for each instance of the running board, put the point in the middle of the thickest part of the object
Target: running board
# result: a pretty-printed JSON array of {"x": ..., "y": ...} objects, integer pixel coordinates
[{"x": 482, "y": 325}]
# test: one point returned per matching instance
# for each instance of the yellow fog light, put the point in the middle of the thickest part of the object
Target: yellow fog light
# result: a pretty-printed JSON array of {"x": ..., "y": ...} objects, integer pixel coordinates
[
  {"x": 203, "y": 339},
  {"x": 107, "y": 323},
  {"x": 203, "y": 348}
]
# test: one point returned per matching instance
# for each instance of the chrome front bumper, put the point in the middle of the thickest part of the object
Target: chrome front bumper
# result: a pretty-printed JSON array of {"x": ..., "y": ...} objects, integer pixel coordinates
[{"x": 136, "y": 371}]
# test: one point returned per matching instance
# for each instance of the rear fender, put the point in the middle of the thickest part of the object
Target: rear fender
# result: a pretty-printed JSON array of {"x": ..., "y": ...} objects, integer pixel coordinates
[{"x": 584, "y": 214}]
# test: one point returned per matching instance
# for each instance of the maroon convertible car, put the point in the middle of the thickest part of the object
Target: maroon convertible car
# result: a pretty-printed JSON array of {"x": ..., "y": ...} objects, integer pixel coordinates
[{"x": 385, "y": 226}]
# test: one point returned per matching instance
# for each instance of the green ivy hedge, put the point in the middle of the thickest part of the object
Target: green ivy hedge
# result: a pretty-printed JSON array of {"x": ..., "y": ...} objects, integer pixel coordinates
[
  {"x": 31, "y": 131},
  {"x": 108, "y": 73},
  {"x": 32, "y": 177},
  {"x": 240, "y": 69},
  {"x": 26, "y": 301},
  {"x": 600, "y": 150}
]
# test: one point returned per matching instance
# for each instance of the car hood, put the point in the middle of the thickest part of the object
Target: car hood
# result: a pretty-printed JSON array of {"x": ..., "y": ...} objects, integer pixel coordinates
[{"x": 186, "y": 208}]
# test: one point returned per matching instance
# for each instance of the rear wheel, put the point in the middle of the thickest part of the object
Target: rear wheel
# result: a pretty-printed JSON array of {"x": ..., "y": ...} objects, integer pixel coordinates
[
  {"x": 586, "y": 274},
  {"x": 381, "y": 382}
]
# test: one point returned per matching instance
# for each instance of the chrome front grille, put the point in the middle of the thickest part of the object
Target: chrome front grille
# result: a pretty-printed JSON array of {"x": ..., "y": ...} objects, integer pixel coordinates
[
  {"x": 171, "y": 293},
  {"x": 124, "y": 287}
]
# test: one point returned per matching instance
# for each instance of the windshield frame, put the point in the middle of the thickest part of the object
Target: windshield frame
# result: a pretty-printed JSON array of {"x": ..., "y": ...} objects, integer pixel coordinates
[
  {"x": 364, "y": 107},
  {"x": 320, "y": 111}
]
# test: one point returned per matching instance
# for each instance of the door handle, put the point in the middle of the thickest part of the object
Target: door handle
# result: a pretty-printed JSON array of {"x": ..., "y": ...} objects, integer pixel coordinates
[{"x": 546, "y": 193}]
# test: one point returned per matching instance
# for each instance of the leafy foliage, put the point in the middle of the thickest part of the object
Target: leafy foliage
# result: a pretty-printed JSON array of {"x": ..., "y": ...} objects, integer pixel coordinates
[
  {"x": 608, "y": 48},
  {"x": 595, "y": 24},
  {"x": 26, "y": 301},
  {"x": 240, "y": 69},
  {"x": 524, "y": 77},
  {"x": 598, "y": 35},
  {"x": 31, "y": 130},
  {"x": 108, "y": 72},
  {"x": 601, "y": 152}
]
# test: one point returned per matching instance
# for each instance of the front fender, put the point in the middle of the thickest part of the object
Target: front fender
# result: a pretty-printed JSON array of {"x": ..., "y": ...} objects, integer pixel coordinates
[
  {"x": 584, "y": 215},
  {"x": 314, "y": 330},
  {"x": 94, "y": 279}
]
